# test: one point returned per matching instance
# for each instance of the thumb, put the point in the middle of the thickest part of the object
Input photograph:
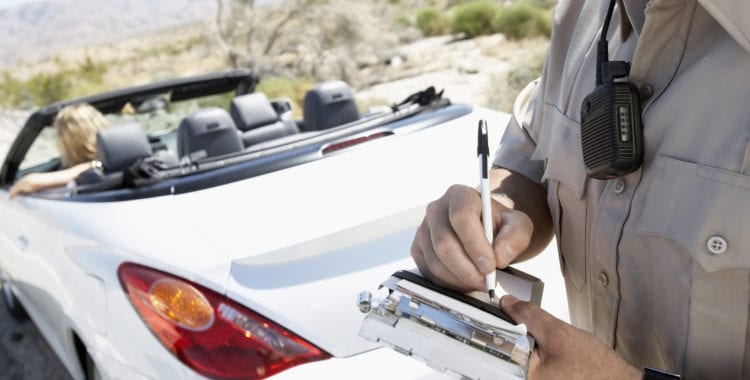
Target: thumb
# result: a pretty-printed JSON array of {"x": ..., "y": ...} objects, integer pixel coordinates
[{"x": 538, "y": 322}]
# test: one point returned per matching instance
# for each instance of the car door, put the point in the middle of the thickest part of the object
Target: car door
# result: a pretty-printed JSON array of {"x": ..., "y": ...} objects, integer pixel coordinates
[{"x": 31, "y": 249}]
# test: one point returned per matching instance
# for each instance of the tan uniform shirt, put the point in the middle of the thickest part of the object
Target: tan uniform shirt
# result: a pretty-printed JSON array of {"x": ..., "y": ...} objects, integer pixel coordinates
[{"x": 656, "y": 264}]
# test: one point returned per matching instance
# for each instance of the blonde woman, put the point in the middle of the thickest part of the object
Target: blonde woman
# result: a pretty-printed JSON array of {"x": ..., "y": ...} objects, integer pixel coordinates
[{"x": 76, "y": 127}]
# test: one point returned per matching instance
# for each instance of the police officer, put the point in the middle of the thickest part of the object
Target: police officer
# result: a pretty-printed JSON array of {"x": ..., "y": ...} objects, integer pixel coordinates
[{"x": 656, "y": 262}]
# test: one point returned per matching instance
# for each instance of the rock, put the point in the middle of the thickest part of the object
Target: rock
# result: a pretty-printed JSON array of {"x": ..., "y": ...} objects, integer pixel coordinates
[
  {"x": 468, "y": 67},
  {"x": 395, "y": 61},
  {"x": 367, "y": 60},
  {"x": 490, "y": 41}
]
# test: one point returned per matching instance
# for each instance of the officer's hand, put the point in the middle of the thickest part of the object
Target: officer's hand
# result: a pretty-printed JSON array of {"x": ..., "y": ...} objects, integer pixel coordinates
[
  {"x": 450, "y": 247},
  {"x": 563, "y": 351}
]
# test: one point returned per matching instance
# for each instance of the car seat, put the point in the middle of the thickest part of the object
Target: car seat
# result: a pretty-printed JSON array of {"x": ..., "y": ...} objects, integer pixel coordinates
[
  {"x": 329, "y": 104},
  {"x": 207, "y": 133},
  {"x": 258, "y": 121},
  {"x": 119, "y": 146}
]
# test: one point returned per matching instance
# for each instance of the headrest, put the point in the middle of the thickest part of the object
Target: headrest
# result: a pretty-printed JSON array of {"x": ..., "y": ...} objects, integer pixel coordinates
[
  {"x": 210, "y": 132},
  {"x": 119, "y": 146},
  {"x": 251, "y": 111},
  {"x": 329, "y": 104}
]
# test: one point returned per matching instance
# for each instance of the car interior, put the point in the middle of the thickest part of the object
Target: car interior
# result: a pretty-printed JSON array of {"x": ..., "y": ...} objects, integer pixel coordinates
[{"x": 247, "y": 135}]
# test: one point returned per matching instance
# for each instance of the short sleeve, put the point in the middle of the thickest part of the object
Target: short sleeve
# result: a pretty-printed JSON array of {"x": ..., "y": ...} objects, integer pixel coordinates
[{"x": 517, "y": 146}]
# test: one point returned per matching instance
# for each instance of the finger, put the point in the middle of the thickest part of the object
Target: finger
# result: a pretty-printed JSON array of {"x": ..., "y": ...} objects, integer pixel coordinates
[
  {"x": 417, "y": 253},
  {"x": 428, "y": 263},
  {"x": 465, "y": 215},
  {"x": 535, "y": 363},
  {"x": 451, "y": 259},
  {"x": 538, "y": 322},
  {"x": 513, "y": 237},
  {"x": 13, "y": 192},
  {"x": 447, "y": 246}
]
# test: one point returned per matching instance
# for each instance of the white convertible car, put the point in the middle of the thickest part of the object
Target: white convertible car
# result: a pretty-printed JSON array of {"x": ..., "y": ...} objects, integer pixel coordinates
[{"x": 222, "y": 238}]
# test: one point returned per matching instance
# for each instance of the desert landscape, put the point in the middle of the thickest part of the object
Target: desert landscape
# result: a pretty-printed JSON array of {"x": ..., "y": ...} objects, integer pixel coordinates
[{"x": 471, "y": 71}]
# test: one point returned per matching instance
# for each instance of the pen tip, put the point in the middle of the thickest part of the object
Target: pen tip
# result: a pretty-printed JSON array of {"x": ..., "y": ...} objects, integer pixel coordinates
[{"x": 492, "y": 294}]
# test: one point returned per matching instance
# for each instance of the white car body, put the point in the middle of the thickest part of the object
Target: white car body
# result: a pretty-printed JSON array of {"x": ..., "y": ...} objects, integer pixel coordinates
[{"x": 295, "y": 245}]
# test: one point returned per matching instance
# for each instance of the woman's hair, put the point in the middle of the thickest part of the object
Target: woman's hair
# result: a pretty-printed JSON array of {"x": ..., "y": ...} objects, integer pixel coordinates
[{"x": 77, "y": 126}]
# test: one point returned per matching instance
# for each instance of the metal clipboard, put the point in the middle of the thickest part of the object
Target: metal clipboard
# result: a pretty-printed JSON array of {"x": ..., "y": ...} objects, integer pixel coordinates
[{"x": 454, "y": 333}]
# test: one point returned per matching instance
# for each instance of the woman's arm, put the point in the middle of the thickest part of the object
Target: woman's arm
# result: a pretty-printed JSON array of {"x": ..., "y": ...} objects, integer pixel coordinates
[{"x": 34, "y": 182}]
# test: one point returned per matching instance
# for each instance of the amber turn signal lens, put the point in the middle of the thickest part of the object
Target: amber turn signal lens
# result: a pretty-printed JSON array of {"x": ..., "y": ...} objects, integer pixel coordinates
[{"x": 182, "y": 303}]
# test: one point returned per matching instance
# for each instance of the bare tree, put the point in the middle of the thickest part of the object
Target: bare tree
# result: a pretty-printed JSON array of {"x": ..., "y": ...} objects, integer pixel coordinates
[
  {"x": 247, "y": 34},
  {"x": 321, "y": 39},
  {"x": 226, "y": 24}
]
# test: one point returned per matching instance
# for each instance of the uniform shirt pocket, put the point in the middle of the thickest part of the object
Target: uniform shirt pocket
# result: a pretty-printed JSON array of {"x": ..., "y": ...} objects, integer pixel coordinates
[
  {"x": 559, "y": 143},
  {"x": 703, "y": 209}
]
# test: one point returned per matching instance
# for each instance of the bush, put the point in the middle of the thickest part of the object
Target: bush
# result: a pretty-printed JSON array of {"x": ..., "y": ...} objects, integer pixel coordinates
[
  {"x": 453, "y": 3},
  {"x": 12, "y": 94},
  {"x": 518, "y": 77},
  {"x": 545, "y": 4},
  {"x": 43, "y": 88},
  {"x": 503, "y": 90},
  {"x": 474, "y": 18},
  {"x": 49, "y": 88},
  {"x": 432, "y": 22},
  {"x": 402, "y": 20},
  {"x": 91, "y": 71},
  {"x": 522, "y": 20}
]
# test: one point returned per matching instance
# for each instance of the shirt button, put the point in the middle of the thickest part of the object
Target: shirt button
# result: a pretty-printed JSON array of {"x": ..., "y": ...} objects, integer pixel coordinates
[
  {"x": 646, "y": 90},
  {"x": 603, "y": 279},
  {"x": 619, "y": 186},
  {"x": 717, "y": 245}
]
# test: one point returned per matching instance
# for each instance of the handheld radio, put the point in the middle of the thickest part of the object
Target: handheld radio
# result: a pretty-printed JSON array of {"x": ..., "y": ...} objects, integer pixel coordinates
[{"x": 611, "y": 126}]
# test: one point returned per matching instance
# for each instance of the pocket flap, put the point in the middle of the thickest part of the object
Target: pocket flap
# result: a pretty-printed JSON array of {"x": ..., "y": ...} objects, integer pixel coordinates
[
  {"x": 559, "y": 143},
  {"x": 704, "y": 209}
]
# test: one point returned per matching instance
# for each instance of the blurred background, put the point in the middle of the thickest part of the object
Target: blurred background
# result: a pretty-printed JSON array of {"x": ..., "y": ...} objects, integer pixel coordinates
[{"x": 481, "y": 52}]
